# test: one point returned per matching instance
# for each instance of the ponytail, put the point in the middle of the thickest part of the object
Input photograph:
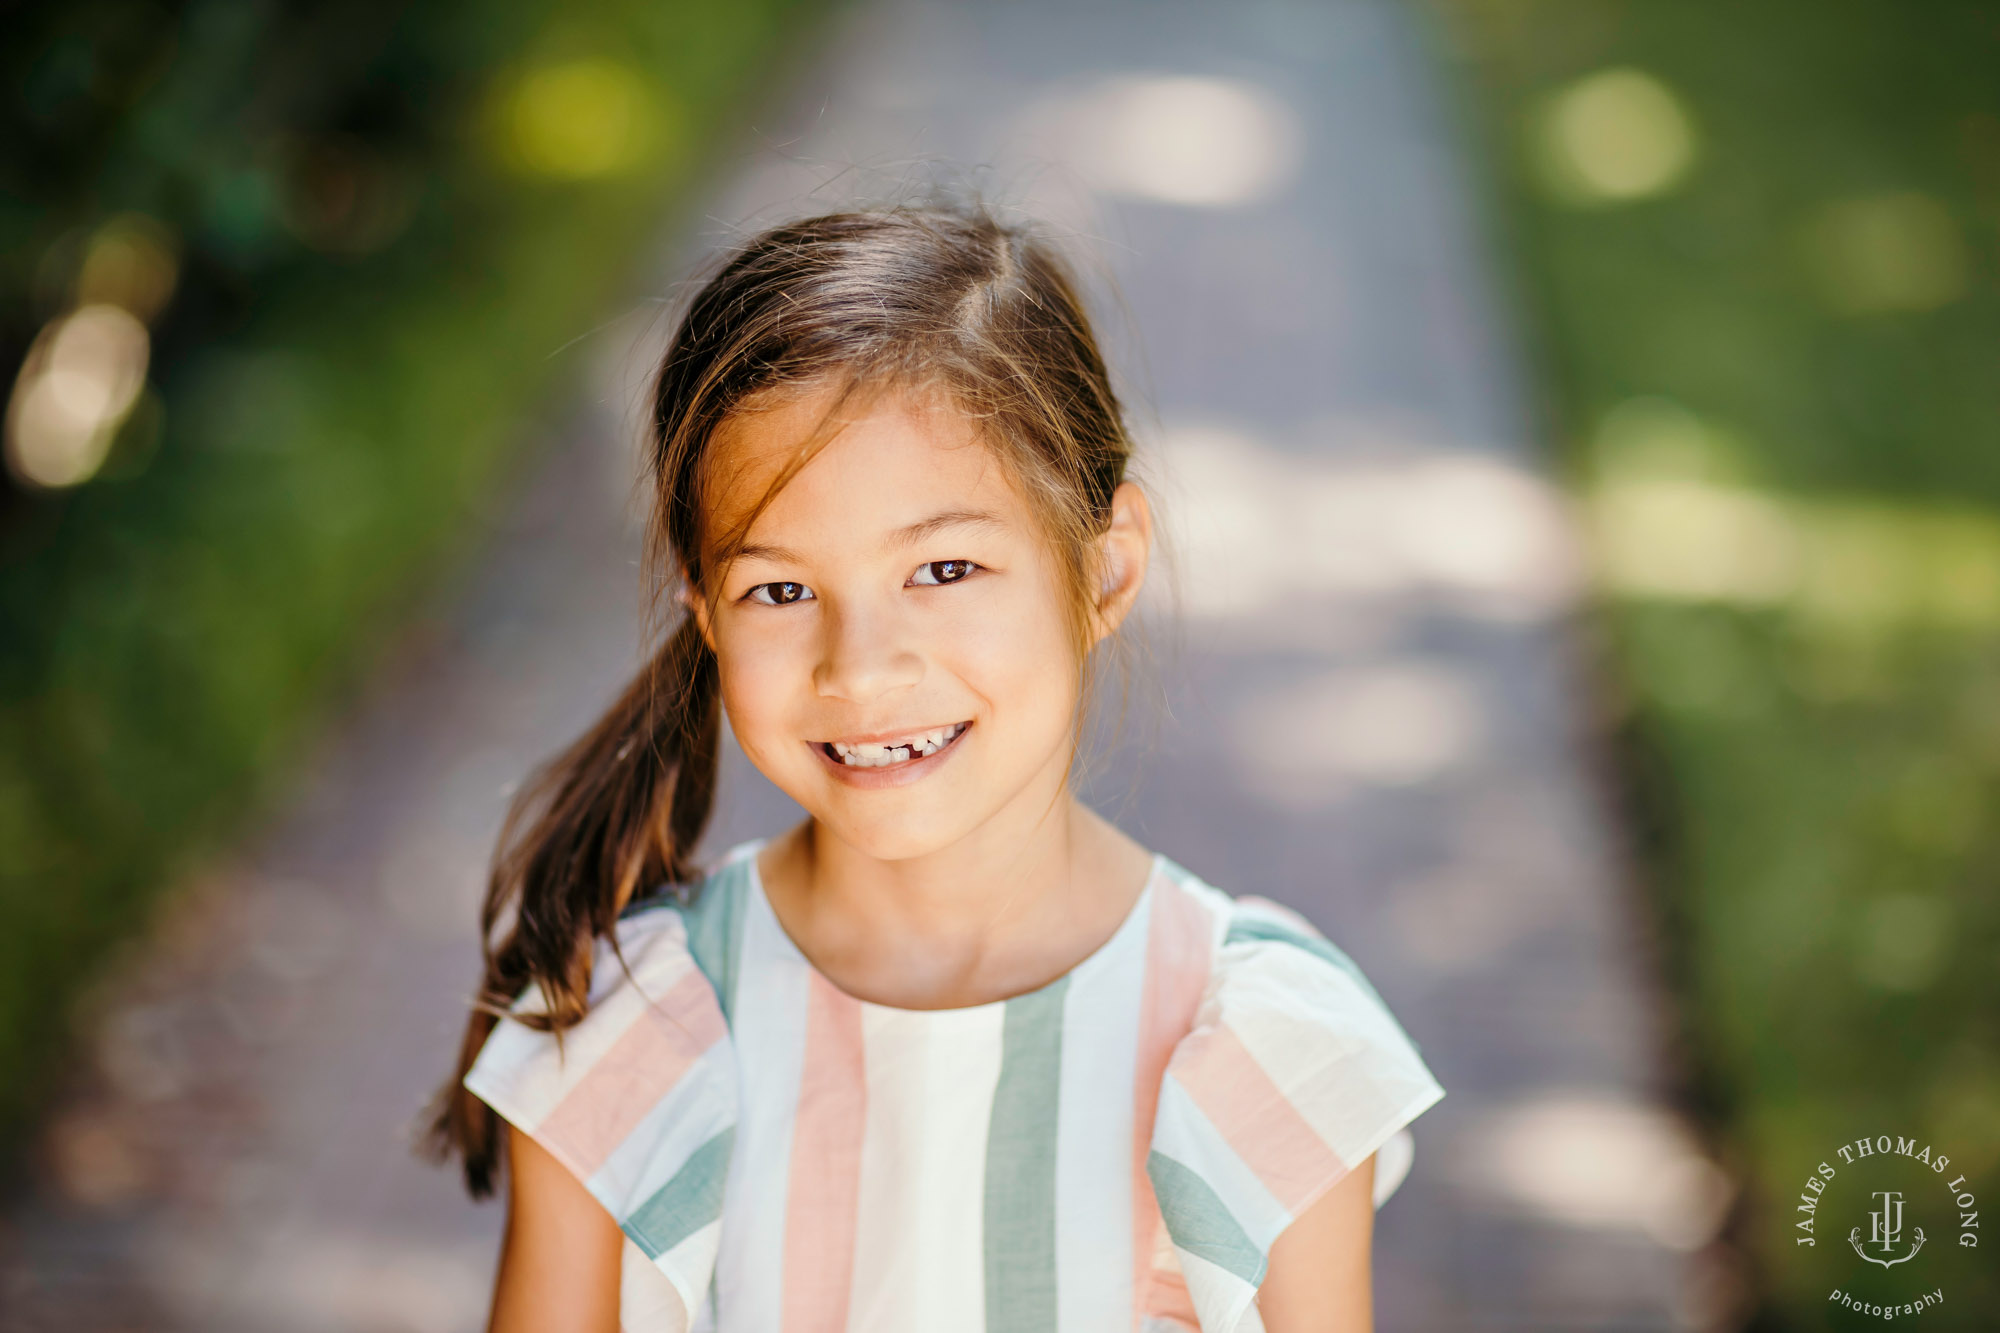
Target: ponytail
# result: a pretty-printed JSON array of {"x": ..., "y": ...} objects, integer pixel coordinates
[{"x": 619, "y": 810}]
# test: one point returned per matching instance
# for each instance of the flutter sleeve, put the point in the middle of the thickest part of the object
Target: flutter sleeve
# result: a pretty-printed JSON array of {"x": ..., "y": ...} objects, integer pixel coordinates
[
  {"x": 1293, "y": 1074},
  {"x": 639, "y": 1102}
]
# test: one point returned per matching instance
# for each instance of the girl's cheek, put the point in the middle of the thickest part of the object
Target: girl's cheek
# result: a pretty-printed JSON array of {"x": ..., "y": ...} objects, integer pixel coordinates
[
  {"x": 761, "y": 677},
  {"x": 1006, "y": 650}
]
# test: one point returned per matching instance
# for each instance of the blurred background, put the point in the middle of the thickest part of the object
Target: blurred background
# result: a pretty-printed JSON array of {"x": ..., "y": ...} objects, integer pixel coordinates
[{"x": 1577, "y": 421}]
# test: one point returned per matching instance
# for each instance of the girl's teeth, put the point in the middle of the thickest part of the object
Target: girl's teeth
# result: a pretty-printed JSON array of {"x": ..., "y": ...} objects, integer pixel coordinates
[{"x": 881, "y": 756}]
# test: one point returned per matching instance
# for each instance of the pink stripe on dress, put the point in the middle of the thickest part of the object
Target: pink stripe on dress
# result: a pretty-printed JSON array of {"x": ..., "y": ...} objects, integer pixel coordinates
[
  {"x": 824, "y": 1198},
  {"x": 1254, "y": 1117},
  {"x": 1177, "y": 962},
  {"x": 630, "y": 1078}
]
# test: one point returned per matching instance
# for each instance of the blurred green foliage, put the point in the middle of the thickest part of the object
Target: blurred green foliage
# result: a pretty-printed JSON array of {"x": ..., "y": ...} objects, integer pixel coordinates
[
  {"x": 364, "y": 230},
  {"x": 1756, "y": 247}
]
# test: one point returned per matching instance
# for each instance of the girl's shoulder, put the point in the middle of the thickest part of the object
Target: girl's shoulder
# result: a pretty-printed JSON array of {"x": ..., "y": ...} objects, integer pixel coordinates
[
  {"x": 668, "y": 966},
  {"x": 704, "y": 920},
  {"x": 1291, "y": 1072},
  {"x": 1278, "y": 993},
  {"x": 1252, "y": 941}
]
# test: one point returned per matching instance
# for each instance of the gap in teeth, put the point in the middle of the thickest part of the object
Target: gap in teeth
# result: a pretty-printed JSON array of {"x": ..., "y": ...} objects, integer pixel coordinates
[{"x": 881, "y": 756}]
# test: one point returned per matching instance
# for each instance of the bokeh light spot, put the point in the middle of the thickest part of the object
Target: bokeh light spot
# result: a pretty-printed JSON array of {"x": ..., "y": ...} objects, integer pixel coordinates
[
  {"x": 342, "y": 196},
  {"x": 1902, "y": 941},
  {"x": 1614, "y": 136},
  {"x": 1656, "y": 437},
  {"x": 1687, "y": 540},
  {"x": 1886, "y": 253},
  {"x": 80, "y": 380},
  {"x": 581, "y": 119},
  {"x": 132, "y": 262}
]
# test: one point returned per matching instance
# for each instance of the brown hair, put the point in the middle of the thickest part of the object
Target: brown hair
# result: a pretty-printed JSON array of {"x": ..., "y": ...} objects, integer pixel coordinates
[{"x": 914, "y": 298}]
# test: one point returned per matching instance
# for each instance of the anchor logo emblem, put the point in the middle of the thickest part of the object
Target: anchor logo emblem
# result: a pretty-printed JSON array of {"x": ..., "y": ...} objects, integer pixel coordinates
[{"x": 1885, "y": 1229}]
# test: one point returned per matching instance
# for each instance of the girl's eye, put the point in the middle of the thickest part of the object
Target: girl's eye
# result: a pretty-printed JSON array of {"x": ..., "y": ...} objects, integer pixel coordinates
[
  {"x": 946, "y": 571},
  {"x": 782, "y": 594}
]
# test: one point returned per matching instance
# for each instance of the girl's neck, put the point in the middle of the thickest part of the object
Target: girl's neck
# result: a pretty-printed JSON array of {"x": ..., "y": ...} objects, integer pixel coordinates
[{"x": 995, "y": 915}]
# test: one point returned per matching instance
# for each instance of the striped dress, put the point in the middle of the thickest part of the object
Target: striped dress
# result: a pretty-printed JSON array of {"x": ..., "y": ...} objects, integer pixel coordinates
[{"x": 1114, "y": 1151}]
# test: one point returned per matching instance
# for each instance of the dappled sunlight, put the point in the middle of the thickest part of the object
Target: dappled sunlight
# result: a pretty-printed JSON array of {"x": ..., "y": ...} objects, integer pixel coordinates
[
  {"x": 1694, "y": 540},
  {"x": 1196, "y": 141},
  {"x": 1870, "y": 564},
  {"x": 1259, "y": 528},
  {"x": 1597, "y": 1161},
  {"x": 1674, "y": 514},
  {"x": 1386, "y": 723}
]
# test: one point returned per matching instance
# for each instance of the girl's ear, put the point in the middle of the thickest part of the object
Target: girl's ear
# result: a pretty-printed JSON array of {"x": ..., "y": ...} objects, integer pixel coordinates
[
  {"x": 1123, "y": 549},
  {"x": 697, "y": 607}
]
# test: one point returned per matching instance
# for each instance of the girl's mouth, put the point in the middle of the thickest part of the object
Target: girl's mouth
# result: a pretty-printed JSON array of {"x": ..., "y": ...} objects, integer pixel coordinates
[{"x": 897, "y": 754}]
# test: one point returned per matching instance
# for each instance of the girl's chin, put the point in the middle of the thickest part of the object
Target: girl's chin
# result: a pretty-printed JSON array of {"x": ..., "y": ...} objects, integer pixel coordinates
[{"x": 887, "y": 829}]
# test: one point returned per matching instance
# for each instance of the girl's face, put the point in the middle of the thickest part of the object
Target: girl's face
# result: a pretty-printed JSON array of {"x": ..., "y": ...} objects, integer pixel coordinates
[{"x": 892, "y": 645}]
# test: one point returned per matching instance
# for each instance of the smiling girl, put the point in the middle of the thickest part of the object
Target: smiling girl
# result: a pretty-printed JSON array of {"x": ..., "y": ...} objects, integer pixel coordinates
[{"x": 954, "y": 1053}]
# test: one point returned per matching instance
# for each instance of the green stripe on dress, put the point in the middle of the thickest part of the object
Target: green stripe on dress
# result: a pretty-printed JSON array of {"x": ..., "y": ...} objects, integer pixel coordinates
[
  {"x": 1200, "y": 1222},
  {"x": 1245, "y": 927},
  {"x": 1020, "y": 1216},
  {"x": 715, "y": 929},
  {"x": 685, "y": 1204}
]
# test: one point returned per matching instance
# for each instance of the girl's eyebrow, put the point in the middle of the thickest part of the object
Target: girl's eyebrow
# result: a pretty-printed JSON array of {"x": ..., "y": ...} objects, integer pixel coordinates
[
  {"x": 915, "y": 532},
  {"x": 949, "y": 518}
]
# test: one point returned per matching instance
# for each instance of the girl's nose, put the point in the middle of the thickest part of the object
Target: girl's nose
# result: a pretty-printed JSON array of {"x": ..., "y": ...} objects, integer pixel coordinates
[{"x": 865, "y": 655}]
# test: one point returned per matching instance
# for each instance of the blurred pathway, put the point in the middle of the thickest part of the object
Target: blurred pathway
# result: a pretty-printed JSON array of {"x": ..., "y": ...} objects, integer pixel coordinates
[{"x": 1375, "y": 714}]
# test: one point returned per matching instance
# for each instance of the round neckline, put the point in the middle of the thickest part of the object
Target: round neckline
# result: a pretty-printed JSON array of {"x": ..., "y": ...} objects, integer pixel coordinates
[{"x": 1088, "y": 962}]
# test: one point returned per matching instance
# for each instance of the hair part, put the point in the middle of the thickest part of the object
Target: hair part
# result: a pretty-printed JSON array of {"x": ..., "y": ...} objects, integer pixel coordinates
[{"x": 939, "y": 301}]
